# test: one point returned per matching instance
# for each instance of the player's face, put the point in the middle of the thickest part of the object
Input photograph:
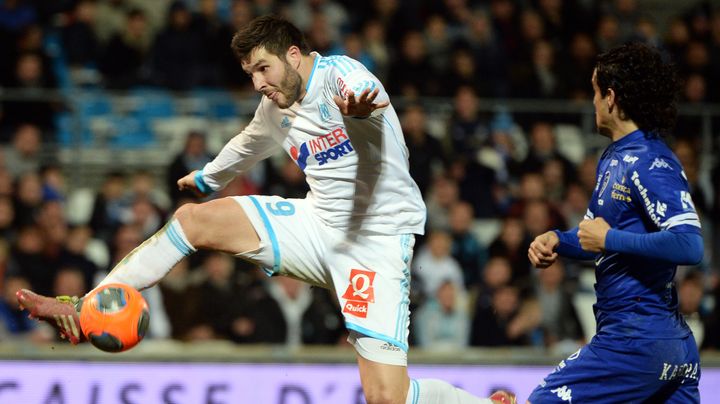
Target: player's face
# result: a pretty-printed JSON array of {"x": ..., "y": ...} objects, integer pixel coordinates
[
  {"x": 273, "y": 77},
  {"x": 601, "y": 109}
]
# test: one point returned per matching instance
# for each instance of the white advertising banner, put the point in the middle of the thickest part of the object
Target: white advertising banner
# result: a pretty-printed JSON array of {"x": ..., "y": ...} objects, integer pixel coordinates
[{"x": 41, "y": 382}]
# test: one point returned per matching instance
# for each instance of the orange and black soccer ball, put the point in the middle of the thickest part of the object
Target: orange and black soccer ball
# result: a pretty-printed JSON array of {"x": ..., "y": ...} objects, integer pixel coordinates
[{"x": 114, "y": 317}]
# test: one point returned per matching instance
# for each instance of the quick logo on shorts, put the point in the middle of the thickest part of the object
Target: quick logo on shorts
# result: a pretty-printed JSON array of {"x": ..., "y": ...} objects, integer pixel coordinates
[
  {"x": 324, "y": 148},
  {"x": 359, "y": 293}
]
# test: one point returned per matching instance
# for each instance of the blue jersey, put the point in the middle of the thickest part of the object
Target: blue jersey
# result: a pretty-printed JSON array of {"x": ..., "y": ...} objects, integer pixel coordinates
[
  {"x": 643, "y": 351},
  {"x": 641, "y": 188}
]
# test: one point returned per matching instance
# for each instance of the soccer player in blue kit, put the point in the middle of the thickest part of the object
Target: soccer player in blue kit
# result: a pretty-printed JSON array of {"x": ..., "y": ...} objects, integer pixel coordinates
[{"x": 641, "y": 224}]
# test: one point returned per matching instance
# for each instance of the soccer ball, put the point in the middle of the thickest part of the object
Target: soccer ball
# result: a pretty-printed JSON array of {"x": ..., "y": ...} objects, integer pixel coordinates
[{"x": 114, "y": 317}]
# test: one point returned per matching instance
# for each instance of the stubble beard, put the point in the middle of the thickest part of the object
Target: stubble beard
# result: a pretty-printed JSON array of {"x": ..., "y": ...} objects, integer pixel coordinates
[{"x": 290, "y": 87}]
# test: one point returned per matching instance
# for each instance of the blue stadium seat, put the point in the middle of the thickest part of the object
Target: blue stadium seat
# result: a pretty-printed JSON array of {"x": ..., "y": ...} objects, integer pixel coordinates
[
  {"x": 72, "y": 130},
  {"x": 91, "y": 104},
  {"x": 221, "y": 104}
]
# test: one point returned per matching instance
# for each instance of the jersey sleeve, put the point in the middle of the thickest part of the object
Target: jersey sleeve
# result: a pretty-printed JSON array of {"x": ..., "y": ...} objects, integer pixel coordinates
[
  {"x": 350, "y": 75},
  {"x": 661, "y": 189},
  {"x": 243, "y": 151}
]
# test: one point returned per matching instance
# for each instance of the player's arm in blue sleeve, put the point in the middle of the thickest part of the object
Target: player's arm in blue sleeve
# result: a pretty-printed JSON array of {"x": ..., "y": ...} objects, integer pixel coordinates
[
  {"x": 569, "y": 246},
  {"x": 661, "y": 190},
  {"x": 676, "y": 247}
]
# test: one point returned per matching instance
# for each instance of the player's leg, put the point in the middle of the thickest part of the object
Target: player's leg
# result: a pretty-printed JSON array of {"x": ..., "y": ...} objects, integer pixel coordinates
[
  {"x": 220, "y": 224},
  {"x": 371, "y": 276},
  {"x": 619, "y": 370},
  {"x": 385, "y": 379}
]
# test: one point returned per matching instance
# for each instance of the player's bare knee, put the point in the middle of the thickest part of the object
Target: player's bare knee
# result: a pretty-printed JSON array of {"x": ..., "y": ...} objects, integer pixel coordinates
[{"x": 190, "y": 216}]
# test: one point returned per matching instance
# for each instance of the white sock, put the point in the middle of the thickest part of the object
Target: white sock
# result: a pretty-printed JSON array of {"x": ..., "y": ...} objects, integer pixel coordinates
[
  {"x": 153, "y": 259},
  {"x": 433, "y": 391}
]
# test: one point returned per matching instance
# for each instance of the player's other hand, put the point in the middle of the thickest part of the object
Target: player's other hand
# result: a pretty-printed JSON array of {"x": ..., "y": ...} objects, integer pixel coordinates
[
  {"x": 542, "y": 250},
  {"x": 187, "y": 183},
  {"x": 592, "y": 234},
  {"x": 362, "y": 106}
]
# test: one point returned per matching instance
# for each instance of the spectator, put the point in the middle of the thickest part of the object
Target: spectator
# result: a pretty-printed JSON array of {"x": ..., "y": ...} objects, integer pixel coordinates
[
  {"x": 7, "y": 217},
  {"x": 14, "y": 323},
  {"x": 69, "y": 281},
  {"x": 24, "y": 154},
  {"x": 15, "y": 15},
  {"x": 434, "y": 264},
  {"x": 496, "y": 274},
  {"x": 490, "y": 57},
  {"x": 28, "y": 198},
  {"x": 285, "y": 178},
  {"x": 123, "y": 59},
  {"x": 78, "y": 38},
  {"x": 411, "y": 74},
  {"x": 443, "y": 322},
  {"x": 468, "y": 127},
  {"x": 443, "y": 194},
  {"x": 221, "y": 296},
  {"x": 690, "y": 295},
  {"x": 181, "y": 300},
  {"x": 375, "y": 44},
  {"x": 193, "y": 157},
  {"x": 560, "y": 323},
  {"x": 426, "y": 152},
  {"x": 30, "y": 76},
  {"x": 543, "y": 147},
  {"x": 508, "y": 322},
  {"x": 109, "y": 209},
  {"x": 512, "y": 243},
  {"x": 177, "y": 51},
  {"x": 466, "y": 249}
]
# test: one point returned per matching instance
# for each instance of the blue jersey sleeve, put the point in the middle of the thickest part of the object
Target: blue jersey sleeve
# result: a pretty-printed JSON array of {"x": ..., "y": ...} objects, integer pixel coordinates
[
  {"x": 661, "y": 190},
  {"x": 570, "y": 246},
  {"x": 677, "y": 248}
]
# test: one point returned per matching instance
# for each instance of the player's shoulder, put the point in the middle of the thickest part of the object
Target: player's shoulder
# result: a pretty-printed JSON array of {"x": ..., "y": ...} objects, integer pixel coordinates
[{"x": 340, "y": 64}]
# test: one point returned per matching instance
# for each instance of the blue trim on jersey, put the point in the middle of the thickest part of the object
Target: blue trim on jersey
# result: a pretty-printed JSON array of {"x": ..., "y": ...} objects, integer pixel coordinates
[
  {"x": 200, "y": 183},
  {"x": 416, "y": 391},
  {"x": 312, "y": 72},
  {"x": 271, "y": 234},
  {"x": 177, "y": 240},
  {"x": 404, "y": 308},
  {"x": 372, "y": 334}
]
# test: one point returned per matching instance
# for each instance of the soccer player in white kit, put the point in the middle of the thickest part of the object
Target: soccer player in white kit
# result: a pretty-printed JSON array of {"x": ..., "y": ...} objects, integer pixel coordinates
[{"x": 353, "y": 233}]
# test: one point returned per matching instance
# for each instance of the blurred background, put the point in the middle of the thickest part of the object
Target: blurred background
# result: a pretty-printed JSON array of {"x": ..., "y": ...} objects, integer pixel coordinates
[{"x": 105, "y": 104}]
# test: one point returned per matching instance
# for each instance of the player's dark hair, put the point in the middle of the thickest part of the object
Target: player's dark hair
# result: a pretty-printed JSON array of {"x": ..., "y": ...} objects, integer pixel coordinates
[
  {"x": 271, "y": 32},
  {"x": 646, "y": 86}
]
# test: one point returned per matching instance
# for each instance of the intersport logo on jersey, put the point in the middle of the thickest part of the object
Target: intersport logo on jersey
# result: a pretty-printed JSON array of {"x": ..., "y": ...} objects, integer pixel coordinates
[
  {"x": 325, "y": 148},
  {"x": 359, "y": 293}
]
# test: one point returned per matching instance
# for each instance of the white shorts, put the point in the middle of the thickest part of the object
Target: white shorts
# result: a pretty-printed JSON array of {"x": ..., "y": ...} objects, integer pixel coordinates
[{"x": 369, "y": 273}]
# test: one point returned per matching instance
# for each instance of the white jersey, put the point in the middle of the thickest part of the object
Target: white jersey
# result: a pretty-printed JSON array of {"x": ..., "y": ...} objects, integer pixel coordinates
[{"x": 357, "y": 169}]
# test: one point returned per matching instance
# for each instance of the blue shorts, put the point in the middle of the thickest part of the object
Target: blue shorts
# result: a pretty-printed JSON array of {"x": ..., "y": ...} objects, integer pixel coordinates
[{"x": 625, "y": 370}]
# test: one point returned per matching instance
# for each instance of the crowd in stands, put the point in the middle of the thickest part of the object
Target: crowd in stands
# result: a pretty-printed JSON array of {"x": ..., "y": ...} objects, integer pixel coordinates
[{"x": 491, "y": 182}]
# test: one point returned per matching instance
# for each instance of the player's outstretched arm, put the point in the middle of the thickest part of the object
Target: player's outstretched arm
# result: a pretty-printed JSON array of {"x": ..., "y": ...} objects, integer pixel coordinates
[
  {"x": 362, "y": 106},
  {"x": 542, "y": 250},
  {"x": 193, "y": 182}
]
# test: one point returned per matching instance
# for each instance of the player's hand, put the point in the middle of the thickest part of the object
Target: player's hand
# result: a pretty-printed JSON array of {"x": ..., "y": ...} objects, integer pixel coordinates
[
  {"x": 360, "y": 107},
  {"x": 542, "y": 250},
  {"x": 592, "y": 234},
  {"x": 187, "y": 183}
]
